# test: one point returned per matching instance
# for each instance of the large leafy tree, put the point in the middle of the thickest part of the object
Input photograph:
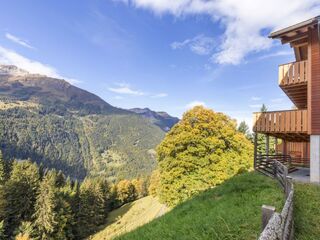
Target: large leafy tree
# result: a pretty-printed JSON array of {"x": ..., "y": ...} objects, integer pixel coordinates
[{"x": 202, "y": 150}]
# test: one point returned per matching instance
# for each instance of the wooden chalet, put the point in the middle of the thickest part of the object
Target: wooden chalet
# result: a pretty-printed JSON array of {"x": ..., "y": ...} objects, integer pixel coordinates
[{"x": 297, "y": 132}]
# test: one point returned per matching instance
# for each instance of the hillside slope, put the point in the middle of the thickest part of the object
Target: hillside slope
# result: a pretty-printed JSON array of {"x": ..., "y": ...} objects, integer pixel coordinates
[
  {"x": 130, "y": 216},
  {"x": 67, "y": 128},
  {"x": 229, "y": 211},
  {"x": 161, "y": 119}
]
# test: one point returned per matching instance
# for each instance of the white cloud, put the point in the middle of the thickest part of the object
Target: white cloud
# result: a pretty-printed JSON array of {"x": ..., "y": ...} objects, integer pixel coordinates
[
  {"x": 255, "y": 98},
  {"x": 18, "y": 41},
  {"x": 195, "y": 103},
  {"x": 200, "y": 45},
  {"x": 123, "y": 88},
  {"x": 276, "y": 54},
  {"x": 244, "y": 21},
  {"x": 10, "y": 57},
  {"x": 159, "y": 95}
]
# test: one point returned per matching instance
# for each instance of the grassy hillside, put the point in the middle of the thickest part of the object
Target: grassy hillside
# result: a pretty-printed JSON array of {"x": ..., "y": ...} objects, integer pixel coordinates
[
  {"x": 229, "y": 211},
  {"x": 307, "y": 211},
  {"x": 130, "y": 216}
]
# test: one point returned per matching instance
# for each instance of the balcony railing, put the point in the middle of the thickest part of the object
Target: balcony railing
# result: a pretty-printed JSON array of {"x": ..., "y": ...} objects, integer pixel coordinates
[
  {"x": 293, "y": 73},
  {"x": 293, "y": 121}
]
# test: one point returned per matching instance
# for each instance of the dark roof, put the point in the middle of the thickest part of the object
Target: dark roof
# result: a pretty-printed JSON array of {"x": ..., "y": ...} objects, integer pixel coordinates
[{"x": 284, "y": 31}]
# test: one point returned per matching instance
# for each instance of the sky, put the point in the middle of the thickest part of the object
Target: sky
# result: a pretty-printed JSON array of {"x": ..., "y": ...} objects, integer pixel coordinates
[{"x": 162, "y": 54}]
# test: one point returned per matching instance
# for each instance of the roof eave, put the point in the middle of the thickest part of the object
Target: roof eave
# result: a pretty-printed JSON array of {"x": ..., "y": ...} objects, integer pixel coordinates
[{"x": 281, "y": 32}]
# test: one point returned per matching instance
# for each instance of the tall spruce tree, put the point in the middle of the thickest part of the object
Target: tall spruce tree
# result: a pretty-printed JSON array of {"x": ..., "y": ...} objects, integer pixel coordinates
[
  {"x": 2, "y": 169},
  {"x": 20, "y": 192},
  {"x": 45, "y": 216}
]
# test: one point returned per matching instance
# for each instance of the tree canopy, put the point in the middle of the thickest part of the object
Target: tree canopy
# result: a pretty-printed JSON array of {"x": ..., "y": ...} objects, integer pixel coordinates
[{"x": 201, "y": 151}]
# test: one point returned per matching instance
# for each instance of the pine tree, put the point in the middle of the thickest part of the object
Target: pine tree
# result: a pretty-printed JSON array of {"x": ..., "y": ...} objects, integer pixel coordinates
[
  {"x": 92, "y": 207},
  {"x": 45, "y": 215},
  {"x": 25, "y": 231},
  {"x": 263, "y": 108},
  {"x": 20, "y": 192},
  {"x": 2, "y": 169},
  {"x": 244, "y": 129},
  {"x": 126, "y": 192},
  {"x": 140, "y": 187},
  {"x": 2, "y": 230}
]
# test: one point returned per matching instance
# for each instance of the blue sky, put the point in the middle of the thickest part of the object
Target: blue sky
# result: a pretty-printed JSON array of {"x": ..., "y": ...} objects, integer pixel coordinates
[{"x": 162, "y": 54}]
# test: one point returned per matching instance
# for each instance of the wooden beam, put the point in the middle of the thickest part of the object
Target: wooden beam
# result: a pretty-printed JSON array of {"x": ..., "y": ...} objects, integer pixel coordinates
[{"x": 296, "y": 37}]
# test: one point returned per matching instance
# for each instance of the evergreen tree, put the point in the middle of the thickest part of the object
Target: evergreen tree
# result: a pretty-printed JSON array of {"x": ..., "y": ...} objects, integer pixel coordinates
[
  {"x": 244, "y": 129},
  {"x": 263, "y": 108},
  {"x": 25, "y": 231},
  {"x": 20, "y": 192},
  {"x": 46, "y": 219},
  {"x": 126, "y": 192},
  {"x": 92, "y": 207},
  {"x": 140, "y": 187},
  {"x": 2, "y": 230},
  {"x": 202, "y": 150},
  {"x": 2, "y": 169}
]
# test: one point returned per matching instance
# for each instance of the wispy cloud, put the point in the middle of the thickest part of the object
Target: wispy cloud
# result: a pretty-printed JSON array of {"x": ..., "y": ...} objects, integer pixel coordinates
[
  {"x": 255, "y": 98},
  {"x": 243, "y": 21},
  {"x": 200, "y": 45},
  {"x": 159, "y": 95},
  {"x": 123, "y": 88},
  {"x": 276, "y": 54},
  {"x": 18, "y": 40},
  {"x": 11, "y": 57},
  {"x": 195, "y": 103}
]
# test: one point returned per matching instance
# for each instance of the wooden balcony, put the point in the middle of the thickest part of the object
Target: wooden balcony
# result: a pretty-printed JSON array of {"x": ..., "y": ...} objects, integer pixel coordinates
[
  {"x": 291, "y": 125},
  {"x": 293, "y": 80}
]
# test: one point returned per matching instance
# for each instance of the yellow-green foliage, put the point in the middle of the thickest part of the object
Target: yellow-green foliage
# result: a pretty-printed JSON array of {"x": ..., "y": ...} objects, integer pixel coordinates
[
  {"x": 154, "y": 183},
  {"x": 202, "y": 150}
]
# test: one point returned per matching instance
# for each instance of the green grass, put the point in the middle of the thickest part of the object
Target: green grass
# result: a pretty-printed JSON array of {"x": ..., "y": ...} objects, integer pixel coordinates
[
  {"x": 129, "y": 217},
  {"x": 229, "y": 211},
  {"x": 307, "y": 211}
]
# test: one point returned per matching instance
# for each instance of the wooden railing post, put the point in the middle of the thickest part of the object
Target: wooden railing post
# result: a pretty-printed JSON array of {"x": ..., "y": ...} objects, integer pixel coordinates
[
  {"x": 267, "y": 212},
  {"x": 255, "y": 149}
]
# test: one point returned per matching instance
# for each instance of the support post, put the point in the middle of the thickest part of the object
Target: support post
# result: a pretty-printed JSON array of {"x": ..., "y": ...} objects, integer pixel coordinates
[
  {"x": 284, "y": 147},
  {"x": 315, "y": 158},
  {"x": 255, "y": 150},
  {"x": 267, "y": 212},
  {"x": 267, "y": 147},
  {"x": 275, "y": 145}
]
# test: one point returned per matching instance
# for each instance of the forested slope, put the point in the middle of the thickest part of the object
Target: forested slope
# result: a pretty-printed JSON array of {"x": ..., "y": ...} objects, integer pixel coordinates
[{"x": 64, "y": 127}]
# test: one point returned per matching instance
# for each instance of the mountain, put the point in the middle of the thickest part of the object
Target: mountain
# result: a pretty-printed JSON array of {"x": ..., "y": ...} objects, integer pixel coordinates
[
  {"x": 62, "y": 126},
  {"x": 161, "y": 119}
]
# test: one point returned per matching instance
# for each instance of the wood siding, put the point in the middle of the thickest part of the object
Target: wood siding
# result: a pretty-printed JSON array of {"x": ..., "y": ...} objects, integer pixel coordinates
[
  {"x": 314, "y": 84},
  {"x": 294, "y": 121}
]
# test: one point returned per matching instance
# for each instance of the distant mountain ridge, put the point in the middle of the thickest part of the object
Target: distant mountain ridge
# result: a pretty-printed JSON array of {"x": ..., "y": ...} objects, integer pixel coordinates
[
  {"x": 161, "y": 119},
  {"x": 64, "y": 127}
]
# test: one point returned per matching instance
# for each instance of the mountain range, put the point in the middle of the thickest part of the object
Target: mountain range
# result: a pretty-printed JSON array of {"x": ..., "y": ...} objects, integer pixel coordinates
[{"x": 61, "y": 126}]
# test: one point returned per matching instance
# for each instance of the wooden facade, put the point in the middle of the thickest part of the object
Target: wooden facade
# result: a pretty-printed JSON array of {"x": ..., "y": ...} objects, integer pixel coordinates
[{"x": 300, "y": 81}]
